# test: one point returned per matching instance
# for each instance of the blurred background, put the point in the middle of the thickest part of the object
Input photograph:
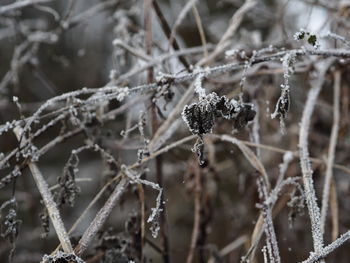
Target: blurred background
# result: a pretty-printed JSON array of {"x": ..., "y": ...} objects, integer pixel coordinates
[{"x": 53, "y": 47}]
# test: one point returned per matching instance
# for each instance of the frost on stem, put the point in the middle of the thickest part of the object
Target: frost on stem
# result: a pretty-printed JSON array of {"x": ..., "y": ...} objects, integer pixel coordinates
[
  {"x": 144, "y": 151},
  {"x": 16, "y": 172},
  {"x": 200, "y": 116},
  {"x": 10, "y": 223},
  {"x": 271, "y": 240},
  {"x": 68, "y": 189},
  {"x": 164, "y": 88},
  {"x": 62, "y": 257},
  {"x": 154, "y": 216},
  {"x": 296, "y": 204},
  {"x": 44, "y": 219},
  {"x": 283, "y": 102},
  {"x": 336, "y": 37},
  {"x": 8, "y": 126}
]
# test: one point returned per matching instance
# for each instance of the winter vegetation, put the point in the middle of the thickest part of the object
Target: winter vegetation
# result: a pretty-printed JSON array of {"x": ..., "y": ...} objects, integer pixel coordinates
[{"x": 174, "y": 131}]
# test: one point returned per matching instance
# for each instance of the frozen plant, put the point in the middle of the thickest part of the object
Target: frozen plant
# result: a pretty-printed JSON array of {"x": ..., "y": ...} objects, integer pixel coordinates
[
  {"x": 309, "y": 36},
  {"x": 283, "y": 102}
]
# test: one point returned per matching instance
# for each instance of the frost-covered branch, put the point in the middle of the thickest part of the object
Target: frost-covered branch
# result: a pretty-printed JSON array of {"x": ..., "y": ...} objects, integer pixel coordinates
[
  {"x": 48, "y": 200},
  {"x": 21, "y": 4},
  {"x": 309, "y": 188},
  {"x": 316, "y": 256}
]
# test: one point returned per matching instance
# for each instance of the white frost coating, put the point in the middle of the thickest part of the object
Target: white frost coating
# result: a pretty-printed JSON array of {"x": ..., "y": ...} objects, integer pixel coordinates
[
  {"x": 100, "y": 95},
  {"x": 336, "y": 37},
  {"x": 263, "y": 250},
  {"x": 271, "y": 239},
  {"x": 113, "y": 75},
  {"x": 287, "y": 158},
  {"x": 153, "y": 218},
  {"x": 198, "y": 86},
  {"x": 255, "y": 129},
  {"x": 123, "y": 92},
  {"x": 283, "y": 102},
  {"x": 231, "y": 53},
  {"x": 248, "y": 63},
  {"x": 298, "y": 35},
  {"x": 48, "y": 199},
  {"x": 62, "y": 257},
  {"x": 310, "y": 195},
  {"x": 315, "y": 257},
  {"x": 235, "y": 103}
]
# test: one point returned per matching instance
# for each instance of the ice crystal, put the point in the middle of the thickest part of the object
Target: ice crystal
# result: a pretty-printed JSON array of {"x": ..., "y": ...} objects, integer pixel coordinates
[{"x": 62, "y": 257}]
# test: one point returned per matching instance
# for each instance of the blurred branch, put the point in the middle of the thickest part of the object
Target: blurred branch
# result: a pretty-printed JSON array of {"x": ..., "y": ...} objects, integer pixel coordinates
[
  {"x": 197, "y": 214},
  {"x": 331, "y": 150},
  {"x": 21, "y": 4},
  {"x": 167, "y": 31}
]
